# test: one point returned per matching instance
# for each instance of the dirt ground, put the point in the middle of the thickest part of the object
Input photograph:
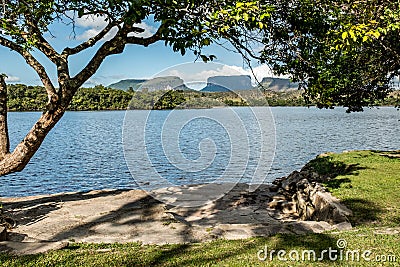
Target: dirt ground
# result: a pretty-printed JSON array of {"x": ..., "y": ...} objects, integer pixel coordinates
[{"x": 171, "y": 215}]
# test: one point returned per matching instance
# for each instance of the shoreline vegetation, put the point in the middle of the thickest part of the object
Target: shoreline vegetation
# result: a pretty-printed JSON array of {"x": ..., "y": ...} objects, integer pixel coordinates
[
  {"x": 367, "y": 182},
  {"x": 33, "y": 98}
]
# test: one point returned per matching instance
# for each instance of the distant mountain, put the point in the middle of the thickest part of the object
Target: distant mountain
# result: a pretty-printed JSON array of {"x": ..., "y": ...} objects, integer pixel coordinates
[
  {"x": 125, "y": 84},
  {"x": 278, "y": 84},
  {"x": 214, "y": 84},
  {"x": 155, "y": 84},
  {"x": 228, "y": 83},
  {"x": 164, "y": 83}
]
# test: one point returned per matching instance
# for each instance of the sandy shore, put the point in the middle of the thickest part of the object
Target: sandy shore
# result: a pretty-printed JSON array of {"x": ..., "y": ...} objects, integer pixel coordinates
[{"x": 170, "y": 215}]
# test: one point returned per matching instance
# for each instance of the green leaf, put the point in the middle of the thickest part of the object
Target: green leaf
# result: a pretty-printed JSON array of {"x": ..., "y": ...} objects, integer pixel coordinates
[
  {"x": 204, "y": 58},
  {"x": 239, "y": 4},
  {"x": 352, "y": 35},
  {"x": 206, "y": 41},
  {"x": 376, "y": 34}
]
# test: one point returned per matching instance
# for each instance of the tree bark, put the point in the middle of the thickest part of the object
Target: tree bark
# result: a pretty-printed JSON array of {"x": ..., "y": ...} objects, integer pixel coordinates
[
  {"x": 19, "y": 158},
  {"x": 4, "y": 139}
]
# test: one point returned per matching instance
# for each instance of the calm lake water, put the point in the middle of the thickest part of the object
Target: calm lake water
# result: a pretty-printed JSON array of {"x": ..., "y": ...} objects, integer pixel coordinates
[{"x": 86, "y": 150}]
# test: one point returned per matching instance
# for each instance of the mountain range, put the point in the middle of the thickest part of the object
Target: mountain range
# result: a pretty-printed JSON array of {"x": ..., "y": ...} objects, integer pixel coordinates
[
  {"x": 155, "y": 84},
  {"x": 214, "y": 84},
  {"x": 126, "y": 84}
]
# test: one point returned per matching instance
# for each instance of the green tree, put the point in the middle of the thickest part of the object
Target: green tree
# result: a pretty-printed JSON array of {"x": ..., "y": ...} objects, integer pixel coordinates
[
  {"x": 183, "y": 25},
  {"x": 170, "y": 100},
  {"x": 342, "y": 52}
]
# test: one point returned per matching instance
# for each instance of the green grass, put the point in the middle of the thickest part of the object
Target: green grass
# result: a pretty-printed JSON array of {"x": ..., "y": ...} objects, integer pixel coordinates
[
  {"x": 365, "y": 181},
  {"x": 368, "y": 183},
  {"x": 217, "y": 253}
]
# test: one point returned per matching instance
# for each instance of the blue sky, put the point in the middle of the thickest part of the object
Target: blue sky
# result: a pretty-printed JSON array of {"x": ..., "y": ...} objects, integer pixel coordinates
[{"x": 135, "y": 62}]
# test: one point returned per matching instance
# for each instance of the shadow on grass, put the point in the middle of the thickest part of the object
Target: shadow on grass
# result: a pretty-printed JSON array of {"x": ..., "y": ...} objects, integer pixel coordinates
[
  {"x": 338, "y": 183},
  {"x": 366, "y": 212},
  {"x": 221, "y": 252},
  {"x": 333, "y": 168},
  {"x": 330, "y": 169},
  {"x": 389, "y": 154},
  {"x": 338, "y": 175}
]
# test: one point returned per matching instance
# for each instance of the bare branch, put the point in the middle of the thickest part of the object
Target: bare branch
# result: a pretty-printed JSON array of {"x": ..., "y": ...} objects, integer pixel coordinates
[
  {"x": 240, "y": 47},
  {"x": 89, "y": 43}
]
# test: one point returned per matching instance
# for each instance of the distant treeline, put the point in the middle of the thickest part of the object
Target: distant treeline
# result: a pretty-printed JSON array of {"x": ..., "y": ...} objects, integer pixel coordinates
[
  {"x": 194, "y": 99},
  {"x": 34, "y": 98}
]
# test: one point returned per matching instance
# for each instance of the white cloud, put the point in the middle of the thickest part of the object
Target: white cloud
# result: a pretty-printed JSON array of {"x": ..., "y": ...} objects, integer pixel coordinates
[
  {"x": 91, "y": 82},
  {"x": 95, "y": 24},
  {"x": 148, "y": 30},
  {"x": 86, "y": 35},
  {"x": 92, "y": 21},
  {"x": 11, "y": 78},
  {"x": 201, "y": 76},
  {"x": 260, "y": 72}
]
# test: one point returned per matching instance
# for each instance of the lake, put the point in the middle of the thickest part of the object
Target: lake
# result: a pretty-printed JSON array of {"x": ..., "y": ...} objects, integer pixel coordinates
[{"x": 87, "y": 150}]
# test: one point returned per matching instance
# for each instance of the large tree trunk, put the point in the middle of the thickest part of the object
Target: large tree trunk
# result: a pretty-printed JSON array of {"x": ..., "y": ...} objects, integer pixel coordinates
[
  {"x": 19, "y": 158},
  {"x": 4, "y": 140}
]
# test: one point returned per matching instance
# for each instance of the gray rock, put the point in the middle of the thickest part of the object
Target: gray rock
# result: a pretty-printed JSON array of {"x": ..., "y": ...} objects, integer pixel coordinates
[
  {"x": 3, "y": 233},
  {"x": 28, "y": 248},
  {"x": 343, "y": 226},
  {"x": 329, "y": 208},
  {"x": 309, "y": 198}
]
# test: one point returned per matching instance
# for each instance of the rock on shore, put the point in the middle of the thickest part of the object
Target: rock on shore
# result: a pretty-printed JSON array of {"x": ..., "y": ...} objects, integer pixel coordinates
[{"x": 301, "y": 194}]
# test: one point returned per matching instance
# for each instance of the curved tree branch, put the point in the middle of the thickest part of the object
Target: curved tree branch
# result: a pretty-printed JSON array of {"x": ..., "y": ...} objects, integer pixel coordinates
[
  {"x": 240, "y": 47},
  {"x": 50, "y": 89},
  {"x": 114, "y": 46},
  {"x": 41, "y": 42},
  {"x": 142, "y": 40},
  {"x": 89, "y": 43}
]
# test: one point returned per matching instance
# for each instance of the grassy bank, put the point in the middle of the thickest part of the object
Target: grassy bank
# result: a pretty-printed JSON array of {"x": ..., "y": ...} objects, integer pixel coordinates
[{"x": 367, "y": 182}]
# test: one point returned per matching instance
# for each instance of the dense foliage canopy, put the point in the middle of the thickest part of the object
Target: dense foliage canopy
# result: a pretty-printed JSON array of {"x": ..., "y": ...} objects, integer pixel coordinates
[{"x": 343, "y": 52}]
